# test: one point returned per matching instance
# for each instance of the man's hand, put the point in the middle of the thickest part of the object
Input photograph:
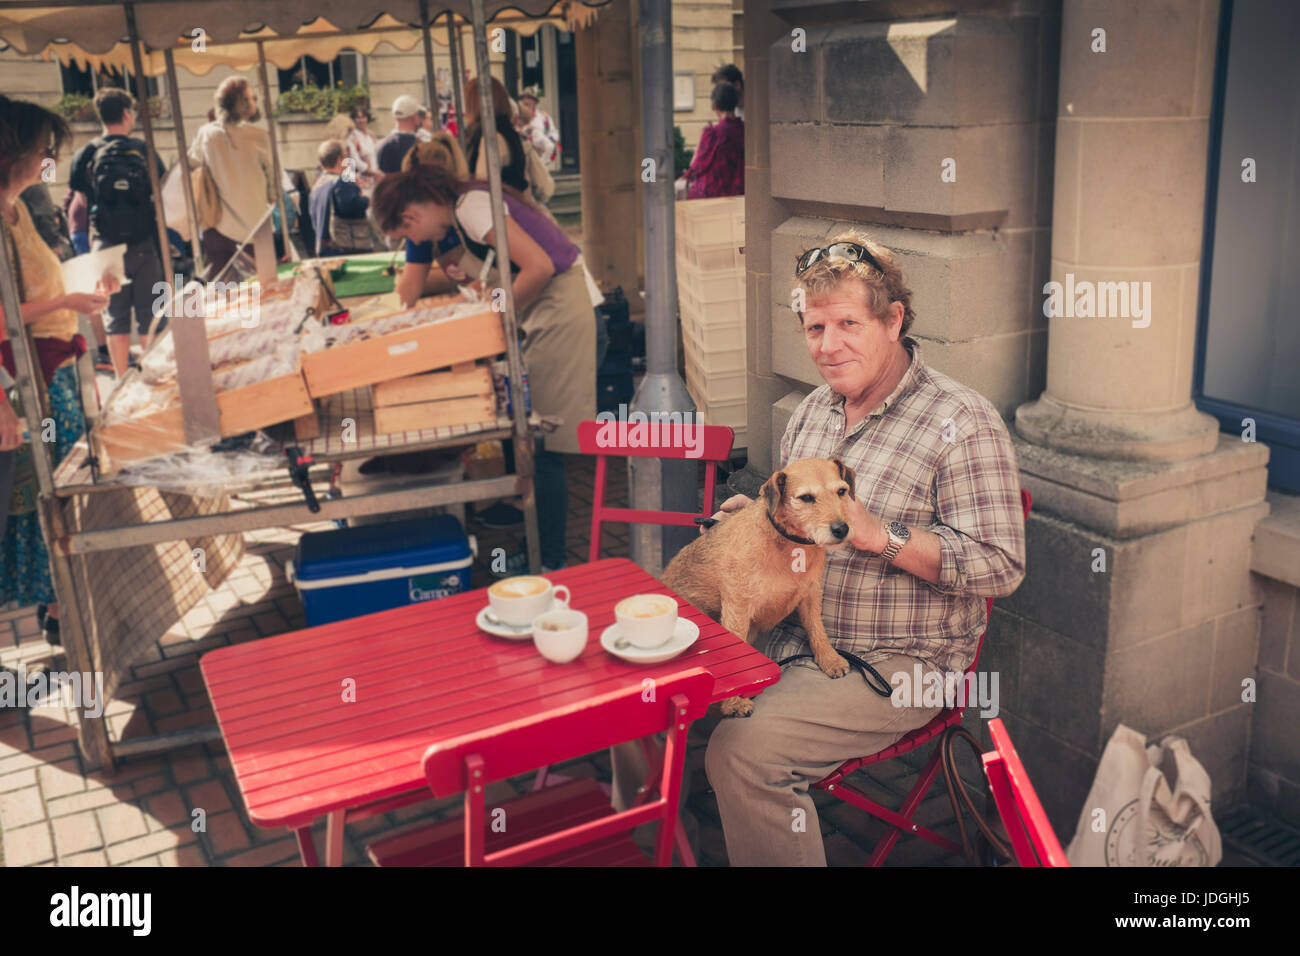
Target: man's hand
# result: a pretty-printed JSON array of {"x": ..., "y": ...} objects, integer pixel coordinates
[
  {"x": 866, "y": 533},
  {"x": 734, "y": 503},
  {"x": 108, "y": 284},
  {"x": 11, "y": 431}
]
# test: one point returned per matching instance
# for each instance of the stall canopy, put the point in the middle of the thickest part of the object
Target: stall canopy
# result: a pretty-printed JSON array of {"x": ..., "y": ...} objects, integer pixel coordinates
[
  {"x": 96, "y": 26},
  {"x": 34, "y": 31}
]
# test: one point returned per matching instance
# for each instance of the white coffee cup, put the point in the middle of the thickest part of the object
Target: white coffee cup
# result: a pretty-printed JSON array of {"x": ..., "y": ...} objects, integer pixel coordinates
[
  {"x": 646, "y": 620},
  {"x": 560, "y": 635},
  {"x": 519, "y": 599}
]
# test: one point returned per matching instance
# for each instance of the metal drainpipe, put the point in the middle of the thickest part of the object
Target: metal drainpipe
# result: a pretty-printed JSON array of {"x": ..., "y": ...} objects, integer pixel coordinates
[{"x": 655, "y": 484}]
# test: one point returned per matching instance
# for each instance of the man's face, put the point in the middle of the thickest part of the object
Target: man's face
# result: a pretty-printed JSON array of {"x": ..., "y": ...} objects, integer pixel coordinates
[
  {"x": 527, "y": 107},
  {"x": 250, "y": 106},
  {"x": 852, "y": 348},
  {"x": 423, "y": 222}
]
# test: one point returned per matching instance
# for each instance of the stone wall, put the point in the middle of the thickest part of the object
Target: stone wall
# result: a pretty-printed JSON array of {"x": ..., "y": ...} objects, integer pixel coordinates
[{"x": 857, "y": 130}]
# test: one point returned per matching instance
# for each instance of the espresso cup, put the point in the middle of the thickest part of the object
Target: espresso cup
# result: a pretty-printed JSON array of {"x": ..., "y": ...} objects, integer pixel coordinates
[
  {"x": 646, "y": 620},
  {"x": 519, "y": 599},
  {"x": 560, "y": 634}
]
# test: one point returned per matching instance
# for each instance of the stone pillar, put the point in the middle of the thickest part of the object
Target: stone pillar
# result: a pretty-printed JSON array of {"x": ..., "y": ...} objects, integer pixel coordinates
[
  {"x": 608, "y": 129},
  {"x": 1131, "y": 129},
  {"x": 1138, "y": 606}
]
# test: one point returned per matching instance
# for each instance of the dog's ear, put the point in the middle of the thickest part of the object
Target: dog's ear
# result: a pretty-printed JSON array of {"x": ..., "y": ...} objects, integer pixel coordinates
[
  {"x": 847, "y": 474},
  {"x": 774, "y": 491}
]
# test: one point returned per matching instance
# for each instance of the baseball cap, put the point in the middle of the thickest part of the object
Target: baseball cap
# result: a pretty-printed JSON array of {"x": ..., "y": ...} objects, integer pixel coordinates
[{"x": 405, "y": 107}]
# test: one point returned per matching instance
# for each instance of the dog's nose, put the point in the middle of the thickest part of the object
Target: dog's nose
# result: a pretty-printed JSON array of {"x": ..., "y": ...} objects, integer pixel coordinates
[{"x": 839, "y": 529}]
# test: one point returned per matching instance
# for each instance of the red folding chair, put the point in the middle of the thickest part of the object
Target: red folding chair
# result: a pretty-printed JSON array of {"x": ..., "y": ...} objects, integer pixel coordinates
[
  {"x": 601, "y": 439},
  {"x": 901, "y": 820},
  {"x": 1032, "y": 838},
  {"x": 567, "y": 825}
]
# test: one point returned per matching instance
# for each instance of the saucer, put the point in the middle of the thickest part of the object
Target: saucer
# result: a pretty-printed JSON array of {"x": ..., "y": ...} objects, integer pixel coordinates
[
  {"x": 685, "y": 634},
  {"x": 513, "y": 632}
]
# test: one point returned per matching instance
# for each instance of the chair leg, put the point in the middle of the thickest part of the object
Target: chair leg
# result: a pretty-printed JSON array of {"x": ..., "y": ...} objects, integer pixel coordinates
[{"x": 909, "y": 807}]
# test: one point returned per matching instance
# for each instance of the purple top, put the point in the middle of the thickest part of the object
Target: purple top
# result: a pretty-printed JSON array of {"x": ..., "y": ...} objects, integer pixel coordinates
[{"x": 540, "y": 229}]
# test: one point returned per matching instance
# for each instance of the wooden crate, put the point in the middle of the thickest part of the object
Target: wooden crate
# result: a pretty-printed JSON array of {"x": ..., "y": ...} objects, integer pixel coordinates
[
  {"x": 241, "y": 410},
  {"x": 461, "y": 395},
  {"x": 403, "y": 354}
]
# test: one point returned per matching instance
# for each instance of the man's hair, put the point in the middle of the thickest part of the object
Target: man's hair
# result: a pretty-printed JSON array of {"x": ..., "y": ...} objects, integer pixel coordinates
[
  {"x": 330, "y": 153},
  {"x": 111, "y": 104},
  {"x": 724, "y": 97},
  {"x": 730, "y": 73},
  {"x": 26, "y": 128},
  {"x": 396, "y": 191},
  {"x": 230, "y": 99},
  {"x": 883, "y": 286}
]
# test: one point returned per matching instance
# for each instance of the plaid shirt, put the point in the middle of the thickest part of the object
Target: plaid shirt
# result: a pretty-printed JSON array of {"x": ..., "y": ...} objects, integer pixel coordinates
[{"x": 936, "y": 456}]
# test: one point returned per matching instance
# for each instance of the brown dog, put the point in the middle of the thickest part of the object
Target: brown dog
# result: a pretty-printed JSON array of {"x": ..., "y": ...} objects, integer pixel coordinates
[{"x": 751, "y": 569}]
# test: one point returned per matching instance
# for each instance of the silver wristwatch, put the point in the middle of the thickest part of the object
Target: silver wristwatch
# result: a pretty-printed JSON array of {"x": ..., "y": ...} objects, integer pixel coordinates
[{"x": 898, "y": 535}]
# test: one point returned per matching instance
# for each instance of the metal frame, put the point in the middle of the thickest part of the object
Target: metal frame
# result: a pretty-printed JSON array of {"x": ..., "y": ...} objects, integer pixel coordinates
[{"x": 65, "y": 543}]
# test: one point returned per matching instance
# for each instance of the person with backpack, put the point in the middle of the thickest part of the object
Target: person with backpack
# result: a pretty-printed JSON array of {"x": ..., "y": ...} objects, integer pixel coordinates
[
  {"x": 113, "y": 172},
  {"x": 338, "y": 209}
]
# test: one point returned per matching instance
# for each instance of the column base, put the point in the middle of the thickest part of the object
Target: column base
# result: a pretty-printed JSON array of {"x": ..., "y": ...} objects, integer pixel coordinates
[{"x": 1125, "y": 436}]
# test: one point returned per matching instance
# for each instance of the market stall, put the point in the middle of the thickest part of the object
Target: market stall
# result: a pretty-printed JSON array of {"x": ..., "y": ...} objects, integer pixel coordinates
[{"x": 198, "y": 388}]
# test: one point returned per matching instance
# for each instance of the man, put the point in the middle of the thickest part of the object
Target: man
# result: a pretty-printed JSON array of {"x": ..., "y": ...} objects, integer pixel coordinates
[
  {"x": 933, "y": 459},
  {"x": 730, "y": 73},
  {"x": 113, "y": 172},
  {"x": 537, "y": 126},
  {"x": 406, "y": 115},
  {"x": 338, "y": 209},
  {"x": 238, "y": 157},
  {"x": 424, "y": 131}
]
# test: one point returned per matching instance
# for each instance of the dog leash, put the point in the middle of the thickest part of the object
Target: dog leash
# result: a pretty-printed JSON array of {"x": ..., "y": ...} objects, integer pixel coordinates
[{"x": 858, "y": 664}]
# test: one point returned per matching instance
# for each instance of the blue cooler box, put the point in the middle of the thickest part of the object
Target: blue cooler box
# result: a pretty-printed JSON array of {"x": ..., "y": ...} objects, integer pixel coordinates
[{"x": 375, "y": 567}]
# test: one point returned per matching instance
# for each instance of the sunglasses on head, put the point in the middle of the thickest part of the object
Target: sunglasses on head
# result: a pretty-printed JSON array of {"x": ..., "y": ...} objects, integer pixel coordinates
[{"x": 840, "y": 250}]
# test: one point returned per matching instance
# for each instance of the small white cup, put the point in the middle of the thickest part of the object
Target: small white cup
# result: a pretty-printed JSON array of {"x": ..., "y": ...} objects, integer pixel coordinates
[
  {"x": 646, "y": 620},
  {"x": 560, "y": 635},
  {"x": 519, "y": 599}
]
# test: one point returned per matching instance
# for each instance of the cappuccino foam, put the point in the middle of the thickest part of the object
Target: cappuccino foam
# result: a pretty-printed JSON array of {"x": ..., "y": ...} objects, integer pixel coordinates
[
  {"x": 518, "y": 587},
  {"x": 645, "y": 605}
]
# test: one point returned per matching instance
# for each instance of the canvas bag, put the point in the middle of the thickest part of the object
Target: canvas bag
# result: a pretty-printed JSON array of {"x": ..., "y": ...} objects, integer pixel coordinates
[{"x": 1157, "y": 807}]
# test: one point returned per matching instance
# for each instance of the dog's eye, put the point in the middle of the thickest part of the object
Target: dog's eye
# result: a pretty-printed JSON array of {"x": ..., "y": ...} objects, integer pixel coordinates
[
  {"x": 809, "y": 498},
  {"x": 843, "y": 492}
]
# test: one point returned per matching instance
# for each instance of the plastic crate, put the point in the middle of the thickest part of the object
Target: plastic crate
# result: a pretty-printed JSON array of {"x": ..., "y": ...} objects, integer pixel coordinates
[
  {"x": 709, "y": 287},
  {"x": 729, "y": 359},
  {"x": 714, "y": 387},
  {"x": 714, "y": 257},
  {"x": 734, "y": 414},
  {"x": 703, "y": 222},
  {"x": 717, "y": 327}
]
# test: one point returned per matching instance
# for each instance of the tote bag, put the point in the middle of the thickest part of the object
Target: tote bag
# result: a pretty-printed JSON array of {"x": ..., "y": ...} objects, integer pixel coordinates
[{"x": 1148, "y": 806}]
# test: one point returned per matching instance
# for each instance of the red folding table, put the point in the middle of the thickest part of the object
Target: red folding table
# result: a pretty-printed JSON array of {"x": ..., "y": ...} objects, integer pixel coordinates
[{"x": 334, "y": 720}]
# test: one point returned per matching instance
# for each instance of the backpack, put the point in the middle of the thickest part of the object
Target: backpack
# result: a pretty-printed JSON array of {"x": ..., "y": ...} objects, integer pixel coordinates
[{"x": 123, "y": 209}]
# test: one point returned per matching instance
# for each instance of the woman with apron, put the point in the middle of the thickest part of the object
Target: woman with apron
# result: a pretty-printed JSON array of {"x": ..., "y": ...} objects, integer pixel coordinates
[{"x": 554, "y": 302}]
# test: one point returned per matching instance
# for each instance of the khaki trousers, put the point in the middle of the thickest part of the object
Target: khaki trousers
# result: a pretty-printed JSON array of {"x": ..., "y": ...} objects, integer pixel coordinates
[{"x": 761, "y": 766}]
